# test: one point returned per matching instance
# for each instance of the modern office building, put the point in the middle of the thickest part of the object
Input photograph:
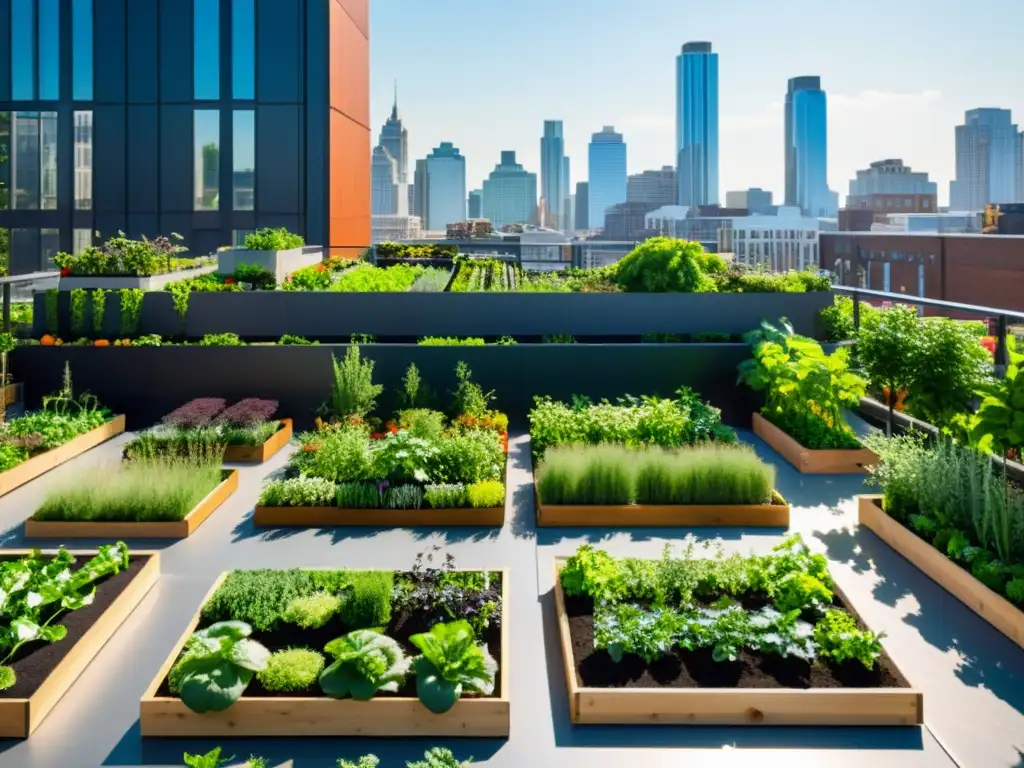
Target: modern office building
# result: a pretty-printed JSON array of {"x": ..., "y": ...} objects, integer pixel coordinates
[
  {"x": 582, "y": 218},
  {"x": 627, "y": 221},
  {"x": 210, "y": 118},
  {"x": 510, "y": 193},
  {"x": 697, "y": 124},
  {"x": 889, "y": 186},
  {"x": 806, "y": 148},
  {"x": 988, "y": 147},
  {"x": 554, "y": 175},
  {"x": 394, "y": 137},
  {"x": 777, "y": 243},
  {"x": 420, "y": 187},
  {"x": 755, "y": 200},
  {"x": 395, "y": 228},
  {"x": 476, "y": 198},
  {"x": 607, "y": 174},
  {"x": 656, "y": 188},
  {"x": 384, "y": 182},
  {"x": 445, "y": 187}
]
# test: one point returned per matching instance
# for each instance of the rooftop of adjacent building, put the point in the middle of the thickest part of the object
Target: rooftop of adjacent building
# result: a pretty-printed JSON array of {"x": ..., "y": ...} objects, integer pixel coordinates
[
  {"x": 805, "y": 83},
  {"x": 965, "y": 235},
  {"x": 697, "y": 47},
  {"x": 607, "y": 135}
]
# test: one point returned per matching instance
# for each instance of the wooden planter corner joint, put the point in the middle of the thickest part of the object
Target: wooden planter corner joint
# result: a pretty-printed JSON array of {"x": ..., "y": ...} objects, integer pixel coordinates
[
  {"x": 44, "y": 462},
  {"x": 259, "y": 453},
  {"x": 989, "y": 605},
  {"x": 729, "y": 706},
  {"x": 162, "y": 716},
  {"x": 810, "y": 462},
  {"x": 20, "y": 717},
  {"x": 176, "y": 529}
]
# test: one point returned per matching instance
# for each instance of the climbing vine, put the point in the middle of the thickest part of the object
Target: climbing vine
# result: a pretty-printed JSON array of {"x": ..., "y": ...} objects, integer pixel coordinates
[
  {"x": 52, "y": 317},
  {"x": 180, "y": 292},
  {"x": 99, "y": 308},
  {"x": 78, "y": 311},
  {"x": 131, "y": 309}
]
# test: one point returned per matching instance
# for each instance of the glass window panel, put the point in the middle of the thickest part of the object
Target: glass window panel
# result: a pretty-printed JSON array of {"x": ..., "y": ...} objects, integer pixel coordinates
[
  {"x": 206, "y": 143},
  {"x": 206, "y": 49},
  {"x": 49, "y": 49},
  {"x": 49, "y": 245},
  {"x": 81, "y": 30},
  {"x": 238, "y": 237},
  {"x": 243, "y": 49},
  {"x": 23, "y": 50},
  {"x": 5, "y": 159},
  {"x": 80, "y": 240},
  {"x": 244, "y": 149},
  {"x": 25, "y": 166},
  {"x": 48, "y": 161},
  {"x": 83, "y": 161}
]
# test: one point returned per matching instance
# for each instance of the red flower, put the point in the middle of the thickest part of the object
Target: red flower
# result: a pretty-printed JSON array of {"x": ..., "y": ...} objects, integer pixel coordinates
[
  {"x": 321, "y": 267},
  {"x": 229, "y": 281},
  {"x": 989, "y": 343},
  {"x": 65, "y": 272},
  {"x": 377, "y": 436}
]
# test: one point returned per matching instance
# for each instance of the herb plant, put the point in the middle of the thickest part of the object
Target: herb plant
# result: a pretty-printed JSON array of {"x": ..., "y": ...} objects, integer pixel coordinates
[
  {"x": 451, "y": 663},
  {"x": 353, "y": 392},
  {"x": 291, "y": 670},
  {"x": 99, "y": 308}
]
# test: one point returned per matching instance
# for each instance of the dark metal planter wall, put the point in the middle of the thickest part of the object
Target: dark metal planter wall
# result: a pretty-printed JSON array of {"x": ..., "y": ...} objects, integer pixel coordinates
[
  {"x": 269, "y": 315},
  {"x": 148, "y": 382}
]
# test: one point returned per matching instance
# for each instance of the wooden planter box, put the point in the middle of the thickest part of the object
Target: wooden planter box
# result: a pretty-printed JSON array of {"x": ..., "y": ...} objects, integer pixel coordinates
[
  {"x": 808, "y": 462},
  {"x": 329, "y": 517},
  {"x": 989, "y": 605},
  {"x": 729, "y": 706},
  {"x": 44, "y": 462},
  {"x": 644, "y": 516},
  {"x": 20, "y": 717},
  {"x": 321, "y": 716},
  {"x": 260, "y": 453},
  {"x": 12, "y": 395},
  {"x": 178, "y": 529}
]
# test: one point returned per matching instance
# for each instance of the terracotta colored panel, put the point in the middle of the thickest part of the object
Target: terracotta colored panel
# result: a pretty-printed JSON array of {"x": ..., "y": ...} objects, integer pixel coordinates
[
  {"x": 350, "y": 67},
  {"x": 349, "y": 183},
  {"x": 359, "y": 11}
]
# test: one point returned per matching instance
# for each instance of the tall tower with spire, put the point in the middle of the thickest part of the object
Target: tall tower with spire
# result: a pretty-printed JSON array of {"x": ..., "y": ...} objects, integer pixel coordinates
[{"x": 395, "y": 139}]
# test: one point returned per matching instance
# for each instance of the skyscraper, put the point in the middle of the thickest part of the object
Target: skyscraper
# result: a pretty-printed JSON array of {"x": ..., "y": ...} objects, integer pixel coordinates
[
  {"x": 655, "y": 187},
  {"x": 476, "y": 198},
  {"x": 384, "y": 182},
  {"x": 510, "y": 193},
  {"x": 554, "y": 174},
  {"x": 421, "y": 205},
  {"x": 697, "y": 124},
  {"x": 395, "y": 139},
  {"x": 582, "y": 205},
  {"x": 988, "y": 145},
  {"x": 607, "y": 174},
  {"x": 806, "y": 148},
  {"x": 446, "y": 187}
]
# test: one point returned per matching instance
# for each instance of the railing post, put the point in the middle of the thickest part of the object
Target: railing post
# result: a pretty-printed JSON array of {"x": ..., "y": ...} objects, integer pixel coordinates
[{"x": 1002, "y": 355}]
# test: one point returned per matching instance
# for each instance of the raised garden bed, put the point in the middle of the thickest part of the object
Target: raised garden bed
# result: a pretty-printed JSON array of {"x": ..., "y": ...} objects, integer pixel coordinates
[
  {"x": 263, "y": 712},
  {"x": 11, "y": 394},
  {"x": 811, "y": 462},
  {"x": 699, "y": 687},
  {"x": 329, "y": 517},
  {"x": 44, "y": 462},
  {"x": 46, "y": 672},
  {"x": 142, "y": 282},
  {"x": 178, "y": 529},
  {"x": 989, "y": 605},
  {"x": 260, "y": 453}
]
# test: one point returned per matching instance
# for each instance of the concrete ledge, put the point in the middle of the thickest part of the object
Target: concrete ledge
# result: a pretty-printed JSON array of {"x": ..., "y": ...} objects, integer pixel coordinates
[
  {"x": 280, "y": 263},
  {"x": 113, "y": 283}
]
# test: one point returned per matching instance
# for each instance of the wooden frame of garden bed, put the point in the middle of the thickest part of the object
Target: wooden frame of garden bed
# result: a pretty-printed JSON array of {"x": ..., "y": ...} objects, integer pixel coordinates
[
  {"x": 647, "y": 516},
  {"x": 176, "y": 529},
  {"x": 20, "y": 717},
  {"x": 989, "y": 605},
  {"x": 259, "y": 453},
  {"x": 809, "y": 462},
  {"x": 162, "y": 716},
  {"x": 329, "y": 517},
  {"x": 44, "y": 462},
  {"x": 729, "y": 706}
]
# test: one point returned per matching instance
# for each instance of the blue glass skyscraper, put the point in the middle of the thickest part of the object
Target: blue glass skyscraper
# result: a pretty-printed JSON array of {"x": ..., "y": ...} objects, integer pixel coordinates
[
  {"x": 697, "y": 124},
  {"x": 554, "y": 175},
  {"x": 607, "y": 171},
  {"x": 806, "y": 148}
]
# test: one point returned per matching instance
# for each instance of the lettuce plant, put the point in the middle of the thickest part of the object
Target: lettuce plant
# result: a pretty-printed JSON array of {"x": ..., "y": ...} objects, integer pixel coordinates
[
  {"x": 452, "y": 663},
  {"x": 366, "y": 661},
  {"x": 842, "y": 641},
  {"x": 216, "y": 666},
  {"x": 594, "y": 573}
]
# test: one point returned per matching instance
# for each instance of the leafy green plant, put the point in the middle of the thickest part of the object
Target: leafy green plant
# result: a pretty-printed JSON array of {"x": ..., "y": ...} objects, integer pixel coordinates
[
  {"x": 402, "y": 457},
  {"x": 412, "y": 388},
  {"x": 468, "y": 457},
  {"x": 368, "y": 599},
  {"x": 51, "y": 310},
  {"x": 258, "y": 277},
  {"x": 594, "y": 573},
  {"x": 403, "y": 497},
  {"x": 312, "y": 611},
  {"x": 950, "y": 367},
  {"x": 469, "y": 397},
  {"x": 439, "y": 757},
  {"x": 341, "y": 456},
  {"x": 181, "y": 292},
  {"x": 78, "y": 311},
  {"x": 422, "y": 423},
  {"x": 888, "y": 347},
  {"x": 291, "y": 670},
  {"x": 269, "y": 239},
  {"x": 297, "y": 492},
  {"x": 221, "y": 340},
  {"x": 839, "y": 639},
  {"x": 216, "y": 666},
  {"x": 213, "y": 759},
  {"x": 451, "y": 664},
  {"x": 446, "y": 496},
  {"x": 99, "y": 309},
  {"x": 263, "y": 597},
  {"x": 453, "y": 341},
  {"x": 353, "y": 392},
  {"x": 365, "y": 662},
  {"x": 131, "y": 310},
  {"x": 366, "y": 761},
  {"x": 364, "y": 278},
  {"x": 662, "y": 264},
  {"x": 290, "y": 340},
  {"x": 486, "y": 494},
  {"x": 358, "y": 496}
]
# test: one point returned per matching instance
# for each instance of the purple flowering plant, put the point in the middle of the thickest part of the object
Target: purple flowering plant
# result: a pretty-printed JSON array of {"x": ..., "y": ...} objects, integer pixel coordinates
[
  {"x": 248, "y": 412},
  {"x": 195, "y": 413}
]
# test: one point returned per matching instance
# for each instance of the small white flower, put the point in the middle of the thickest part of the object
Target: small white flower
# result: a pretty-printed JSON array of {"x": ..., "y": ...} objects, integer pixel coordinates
[{"x": 32, "y": 599}]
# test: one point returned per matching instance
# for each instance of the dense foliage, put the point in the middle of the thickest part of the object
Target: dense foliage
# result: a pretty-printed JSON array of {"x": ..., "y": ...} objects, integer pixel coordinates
[
  {"x": 679, "y": 604},
  {"x": 121, "y": 255},
  {"x": 268, "y": 239},
  {"x": 390, "y": 250},
  {"x": 661, "y": 265},
  {"x": 483, "y": 276},
  {"x": 201, "y": 425}
]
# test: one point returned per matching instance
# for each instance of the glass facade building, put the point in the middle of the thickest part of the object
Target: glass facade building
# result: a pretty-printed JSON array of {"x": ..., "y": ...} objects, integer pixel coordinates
[
  {"x": 202, "y": 117},
  {"x": 987, "y": 162},
  {"x": 510, "y": 193},
  {"x": 806, "y": 150},
  {"x": 446, "y": 187},
  {"x": 554, "y": 176},
  {"x": 607, "y": 174},
  {"x": 697, "y": 124}
]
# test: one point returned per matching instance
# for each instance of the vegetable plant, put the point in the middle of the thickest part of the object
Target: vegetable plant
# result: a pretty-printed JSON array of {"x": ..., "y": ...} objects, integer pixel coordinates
[
  {"x": 353, "y": 392},
  {"x": 365, "y": 662},
  {"x": 451, "y": 663},
  {"x": 291, "y": 670},
  {"x": 216, "y": 666},
  {"x": 888, "y": 347}
]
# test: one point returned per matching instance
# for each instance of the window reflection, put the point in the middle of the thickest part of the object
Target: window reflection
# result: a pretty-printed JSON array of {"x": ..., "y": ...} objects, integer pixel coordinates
[
  {"x": 48, "y": 161},
  {"x": 206, "y": 144},
  {"x": 81, "y": 30},
  {"x": 80, "y": 240},
  {"x": 23, "y": 50},
  {"x": 244, "y": 149},
  {"x": 49, "y": 49},
  {"x": 49, "y": 246},
  {"x": 206, "y": 49},
  {"x": 83, "y": 161},
  {"x": 243, "y": 49},
  {"x": 25, "y": 166}
]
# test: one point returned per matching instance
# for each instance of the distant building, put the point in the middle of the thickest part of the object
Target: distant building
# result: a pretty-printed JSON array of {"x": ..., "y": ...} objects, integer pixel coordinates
[
  {"x": 446, "y": 187},
  {"x": 384, "y": 183},
  {"x": 988, "y": 161},
  {"x": 570, "y": 213},
  {"x": 582, "y": 206},
  {"x": 755, "y": 200},
  {"x": 469, "y": 229},
  {"x": 682, "y": 222},
  {"x": 951, "y": 222},
  {"x": 395, "y": 139},
  {"x": 889, "y": 186},
  {"x": 420, "y": 189},
  {"x": 393, "y": 228},
  {"x": 607, "y": 174},
  {"x": 806, "y": 148},
  {"x": 697, "y": 124},
  {"x": 476, "y": 197},
  {"x": 411, "y": 199},
  {"x": 856, "y": 219},
  {"x": 779, "y": 243},
  {"x": 656, "y": 188},
  {"x": 627, "y": 221},
  {"x": 510, "y": 193},
  {"x": 554, "y": 175},
  {"x": 1011, "y": 222}
]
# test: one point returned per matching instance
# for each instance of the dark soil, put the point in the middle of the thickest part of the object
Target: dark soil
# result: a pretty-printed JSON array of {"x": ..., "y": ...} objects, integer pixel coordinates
[
  {"x": 697, "y": 669},
  {"x": 403, "y": 625},
  {"x": 35, "y": 661}
]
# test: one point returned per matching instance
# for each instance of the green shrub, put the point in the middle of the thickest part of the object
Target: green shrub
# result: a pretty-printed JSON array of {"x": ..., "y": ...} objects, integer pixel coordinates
[
  {"x": 453, "y": 341},
  {"x": 291, "y": 670},
  {"x": 297, "y": 492},
  {"x": 468, "y": 457},
  {"x": 353, "y": 392},
  {"x": 446, "y": 496},
  {"x": 312, "y": 611},
  {"x": 340, "y": 456},
  {"x": 262, "y": 597},
  {"x": 364, "y": 278},
  {"x": 268, "y": 239},
  {"x": 221, "y": 340},
  {"x": 422, "y": 423},
  {"x": 368, "y": 600},
  {"x": 662, "y": 264},
  {"x": 290, "y": 340},
  {"x": 486, "y": 494},
  {"x": 403, "y": 497}
]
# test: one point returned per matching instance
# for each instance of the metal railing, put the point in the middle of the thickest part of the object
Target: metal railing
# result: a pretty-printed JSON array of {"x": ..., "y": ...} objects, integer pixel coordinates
[{"x": 5, "y": 286}]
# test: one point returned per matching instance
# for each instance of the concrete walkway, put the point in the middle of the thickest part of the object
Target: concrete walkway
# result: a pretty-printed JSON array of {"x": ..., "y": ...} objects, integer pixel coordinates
[{"x": 972, "y": 677}]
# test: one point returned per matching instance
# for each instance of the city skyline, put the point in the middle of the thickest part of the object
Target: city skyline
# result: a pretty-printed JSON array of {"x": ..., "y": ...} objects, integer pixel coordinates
[{"x": 885, "y": 106}]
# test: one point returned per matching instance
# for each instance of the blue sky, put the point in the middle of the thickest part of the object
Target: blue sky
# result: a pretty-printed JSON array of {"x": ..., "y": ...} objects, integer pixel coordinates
[{"x": 485, "y": 74}]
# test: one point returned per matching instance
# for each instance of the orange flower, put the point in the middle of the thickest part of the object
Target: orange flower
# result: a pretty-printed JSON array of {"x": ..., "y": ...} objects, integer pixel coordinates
[{"x": 311, "y": 447}]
